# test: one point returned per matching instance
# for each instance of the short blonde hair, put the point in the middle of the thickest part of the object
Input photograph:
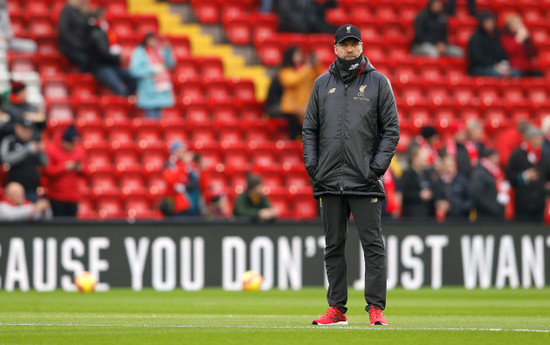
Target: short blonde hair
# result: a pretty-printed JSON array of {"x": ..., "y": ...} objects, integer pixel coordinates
[{"x": 512, "y": 17}]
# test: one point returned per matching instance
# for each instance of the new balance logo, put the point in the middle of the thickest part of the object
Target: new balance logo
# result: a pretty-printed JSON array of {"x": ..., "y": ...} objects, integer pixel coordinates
[
  {"x": 333, "y": 90},
  {"x": 374, "y": 200}
]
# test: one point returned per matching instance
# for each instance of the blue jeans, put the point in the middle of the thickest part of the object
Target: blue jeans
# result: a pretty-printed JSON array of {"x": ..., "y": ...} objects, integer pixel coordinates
[
  {"x": 153, "y": 113},
  {"x": 117, "y": 79},
  {"x": 490, "y": 71},
  {"x": 266, "y": 6}
]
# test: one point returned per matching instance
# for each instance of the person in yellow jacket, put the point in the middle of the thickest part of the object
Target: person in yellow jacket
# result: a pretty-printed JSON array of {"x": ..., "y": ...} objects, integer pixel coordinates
[{"x": 296, "y": 77}]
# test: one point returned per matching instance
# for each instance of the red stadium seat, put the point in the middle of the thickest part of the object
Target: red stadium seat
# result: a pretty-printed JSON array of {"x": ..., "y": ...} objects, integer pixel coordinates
[
  {"x": 109, "y": 207},
  {"x": 181, "y": 47},
  {"x": 210, "y": 67},
  {"x": 132, "y": 184},
  {"x": 153, "y": 160},
  {"x": 207, "y": 11},
  {"x": 140, "y": 207},
  {"x": 239, "y": 30},
  {"x": 243, "y": 89}
]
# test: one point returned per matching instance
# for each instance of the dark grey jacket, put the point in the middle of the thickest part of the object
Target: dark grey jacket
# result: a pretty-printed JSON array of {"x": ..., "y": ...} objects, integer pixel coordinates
[{"x": 350, "y": 133}]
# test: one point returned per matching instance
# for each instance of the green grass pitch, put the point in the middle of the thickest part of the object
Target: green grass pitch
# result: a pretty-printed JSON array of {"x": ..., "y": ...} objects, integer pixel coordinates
[{"x": 213, "y": 316}]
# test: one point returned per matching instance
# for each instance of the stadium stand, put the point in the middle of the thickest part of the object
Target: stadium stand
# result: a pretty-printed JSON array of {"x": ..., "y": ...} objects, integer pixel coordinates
[{"x": 219, "y": 108}]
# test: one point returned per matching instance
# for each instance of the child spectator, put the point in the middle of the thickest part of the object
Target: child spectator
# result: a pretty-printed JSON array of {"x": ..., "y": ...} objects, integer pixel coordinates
[
  {"x": 486, "y": 54},
  {"x": 252, "y": 203},
  {"x": 64, "y": 171},
  {"x": 105, "y": 57},
  {"x": 149, "y": 65},
  {"x": 431, "y": 33},
  {"x": 24, "y": 156},
  {"x": 16, "y": 208},
  {"x": 182, "y": 176},
  {"x": 7, "y": 40},
  {"x": 519, "y": 47},
  {"x": 73, "y": 33}
]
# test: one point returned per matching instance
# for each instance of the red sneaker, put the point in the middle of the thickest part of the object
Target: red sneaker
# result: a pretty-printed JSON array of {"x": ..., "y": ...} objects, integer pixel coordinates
[
  {"x": 333, "y": 316},
  {"x": 377, "y": 317}
]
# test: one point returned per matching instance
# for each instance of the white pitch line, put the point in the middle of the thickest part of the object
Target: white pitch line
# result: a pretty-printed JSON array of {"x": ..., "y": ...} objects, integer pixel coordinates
[{"x": 366, "y": 328}]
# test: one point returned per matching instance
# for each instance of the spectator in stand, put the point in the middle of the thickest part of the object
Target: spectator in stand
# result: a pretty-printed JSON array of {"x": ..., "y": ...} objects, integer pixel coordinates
[
  {"x": 15, "y": 207},
  {"x": 528, "y": 171},
  {"x": 17, "y": 107},
  {"x": 64, "y": 171},
  {"x": 73, "y": 33},
  {"x": 417, "y": 186},
  {"x": 463, "y": 150},
  {"x": 304, "y": 16},
  {"x": 485, "y": 52},
  {"x": 431, "y": 33},
  {"x": 296, "y": 77},
  {"x": 150, "y": 64},
  {"x": 24, "y": 156},
  {"x": 7, "y": 40},
  {"x": 451, "y": 7},
  {"x": 476, "y": 135},
  {"x": 520, "y": 48},
  {"x": 490, "y": 190},
  {"x": 545, "y": 127},
  {"x": 451, "y": 191},
  {"x": 182, "y": 175},
  {"x": 275, "y": 94},
  {"x": 428, "y": 140},
  {"x": 507, "y": 140},
  {"x": 253, "y": 204},
  {"x": 105, "y": 57}
]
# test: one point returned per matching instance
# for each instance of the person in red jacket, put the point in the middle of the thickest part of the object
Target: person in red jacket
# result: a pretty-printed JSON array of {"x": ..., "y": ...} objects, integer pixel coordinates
[
  {"x": 518, "y": 45},
  {"x": 64, "y": 172}
]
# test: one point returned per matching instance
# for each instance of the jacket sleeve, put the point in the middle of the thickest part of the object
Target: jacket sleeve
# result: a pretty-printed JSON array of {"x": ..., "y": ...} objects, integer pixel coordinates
[
  {"x": 12, "y": 157},
  {"x": 513, "y": 172},
  {"x": 66, "y": 30},
  {"x": 168, "y": 57},
  {"x": 481, "y": 195},
  {"x": 139, "y": 64},
  {"x": 388, "y": 128},
  {"x": 419, "y": 30},
  {"x": 100, "y": 45},
  {"x": 55, "y": 166},
  {"x": 16, "y": 213},
  {"x": 289, "y": 77},
  {"x": 310, "y": 132}
]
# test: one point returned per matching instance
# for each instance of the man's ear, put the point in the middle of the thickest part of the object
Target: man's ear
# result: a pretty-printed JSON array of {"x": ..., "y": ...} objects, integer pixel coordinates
[{"x": 335, "y": 50}]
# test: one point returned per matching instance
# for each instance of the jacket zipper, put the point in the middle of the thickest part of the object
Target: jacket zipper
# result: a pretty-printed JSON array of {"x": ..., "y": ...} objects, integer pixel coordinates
[{"x": 342, "y": 139}]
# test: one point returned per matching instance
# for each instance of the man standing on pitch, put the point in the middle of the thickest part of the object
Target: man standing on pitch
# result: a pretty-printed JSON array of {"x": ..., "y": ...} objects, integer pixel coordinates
[{"x": 350, "y": 134}]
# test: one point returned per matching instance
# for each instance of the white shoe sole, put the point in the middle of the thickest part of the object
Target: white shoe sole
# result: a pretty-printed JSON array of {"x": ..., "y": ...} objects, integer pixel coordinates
[
  {"x": 331, "y": 324},
  {"x": 378, "y": 324}
]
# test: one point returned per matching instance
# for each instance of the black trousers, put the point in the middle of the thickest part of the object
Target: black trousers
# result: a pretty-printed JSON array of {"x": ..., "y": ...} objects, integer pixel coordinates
[
  {"x": 367, "y": 211},
  {"x": 63, "y": 209}
]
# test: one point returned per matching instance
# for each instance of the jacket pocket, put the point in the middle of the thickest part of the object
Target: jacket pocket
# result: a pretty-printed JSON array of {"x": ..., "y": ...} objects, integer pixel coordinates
[{"x": 369, "y": 174}]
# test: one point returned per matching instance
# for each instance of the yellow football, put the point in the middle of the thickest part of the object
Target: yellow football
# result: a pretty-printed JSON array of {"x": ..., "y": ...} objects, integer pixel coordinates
[
  {"x": 85, "y": 282},
  {"x": 252, "y": 281}
]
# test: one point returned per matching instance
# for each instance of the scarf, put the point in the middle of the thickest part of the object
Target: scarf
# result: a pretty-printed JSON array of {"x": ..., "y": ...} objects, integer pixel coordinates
[
  {"x": 162, "y": 79},
  {"x": 503, "y": 186},
  {"x": 432, "y": 153},
  {"x": 470, "y": 147},
  {"x": 349, "y": 69},
  {"x": 533, "y": 154}
]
